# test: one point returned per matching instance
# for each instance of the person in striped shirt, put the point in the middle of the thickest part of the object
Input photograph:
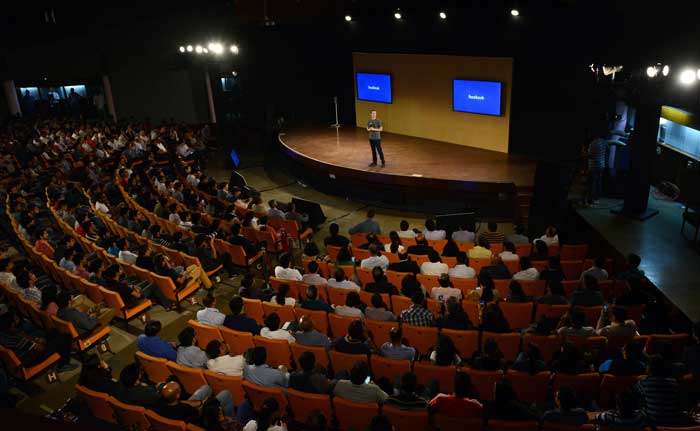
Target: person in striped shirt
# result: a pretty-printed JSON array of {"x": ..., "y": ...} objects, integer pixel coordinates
[
  {"x": 659, "y": 395},
  {"x": 492, "y": 235}
]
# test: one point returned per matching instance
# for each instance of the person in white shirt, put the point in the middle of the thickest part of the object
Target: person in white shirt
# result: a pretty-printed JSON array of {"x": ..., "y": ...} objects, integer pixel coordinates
[
  {"x": 435, "y": 266},
  {"x": 281, "y": 298},
  {"x": 274, "y": 211},
  {"x": 508, "y": 252},
  {"x": 431, "y": 233},
  {"x": 124, "y": 253},
  {"x": 404, "y": 231},
  {"x": 463, "y": 234},
  {"x": 210, "y": 315},
  {"x": 285, "y": 271},
  {"x": 375, "y": 259},
  {"x": 312, "y": 278},
  {"x": 550, "y": 236},
  {"x": 351, "y": 307},
  {"x": 527, "y": 272},
  {"x": 462, "y": 268},
  {"x": 100, "y": 204},
  {"x": 340, "y": 282},
  {"x": 394, "y": 246},
  {"x": 272, "y": 329},
  {"x": 445, "y": 290},
  {"x": 221, "y": 362}
]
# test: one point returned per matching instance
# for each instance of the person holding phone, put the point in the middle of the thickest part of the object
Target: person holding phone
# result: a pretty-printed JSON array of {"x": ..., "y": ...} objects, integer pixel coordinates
[{"x": 375, "y": 129}]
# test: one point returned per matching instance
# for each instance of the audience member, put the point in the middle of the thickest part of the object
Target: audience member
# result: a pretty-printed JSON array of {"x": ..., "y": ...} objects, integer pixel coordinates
[
  {"x": 626, "y": 416},
  {"x": 220, "y": 361},
  {"x": 566, "y": 411},
  {"x": 312, "y": 277},
  {"x": 375, "y": 259},
  {"x": 577, "y": 325},
  {"x": 416, "y": 314},
  {"x": 285, "y": 271},
  {"x": 506, "y": 405},
  {"x": 632, "y": 362},
  {"x": 597, "y": 270},
  {"x": 307, "y": 335},
  {"x": 550, "y": 236},
  {"x": 659, "y": 396},
  {"x": 238, "y": 320},
  {"x": 356, "y": 390},
  {"x": 307, "y": 379},
  {"x": 404, "y": 231},
  {"x": 405, "y": 264},
  {"x": 188, "y": 354},
  {"x": 259, "y": 373},
  {"x": 313, "y": 303},
  {"x": 527, "y": 271},
  {"x": 445, "y": 353},
  {"x": 172, "y": 407},
  {"x": 493, "y": 319},
  {"x": 463, "y": 403},
  {"x": 529, "y": 360},
  {"x": 395, "y": 349},
  {"x": 464, "y": 234},
  {"x": 462, "y": 268},
  {"x": 355, "y": 342},
  {"x": 339, "y": 282},
  {"x": 281, "y": 298},
  {"x": 455, "y": 318},
  {"x": 421, "y": 247},
  {"x": 407, "y": 397},
  {"x": 516, "y": 293},
  {"x": 518, "y": 237},
  {"x": 445, "y": 289},
  {"x": 481, "y": 250},
  {"x": 434, "y": 266},
  {"x": 210, "y": 315},
  {"x": 588, "y": 294},
  {"x": 554, "y": 294},
  {"x": 131, "y": 390},
  {"x": 368, "y": 226},
  {"x": 151, "y": 344},
  {"x": 352, "y": 307},
  {"x": 394, "y": 246},
  {"x": 378, "y": 310},
  {"x": 618, "y": 326},
  {"x": 432, "y": 233},
  {"x": 380, "y": 283},
  {"x": 335, "y": 239},
  {"x": 273, "y": 330}
]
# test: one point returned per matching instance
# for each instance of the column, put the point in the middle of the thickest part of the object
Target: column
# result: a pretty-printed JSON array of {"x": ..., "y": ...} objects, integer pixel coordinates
[
  {"x": 108, "y": 97},
  {"x": 11, "y": 97},
  {"x": 210, "y": 98}
]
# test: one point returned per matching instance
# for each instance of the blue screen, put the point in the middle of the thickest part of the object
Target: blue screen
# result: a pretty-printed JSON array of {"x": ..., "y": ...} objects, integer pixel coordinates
[
  {"x": 374, "y": 87},
  {"x": 479, "y": 97}
]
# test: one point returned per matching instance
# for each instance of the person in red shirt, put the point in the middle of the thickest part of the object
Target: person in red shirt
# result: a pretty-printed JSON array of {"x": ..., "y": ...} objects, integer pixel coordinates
[
  {"x": 462, "y": 403},
  {"x": 42, "y": 244}
]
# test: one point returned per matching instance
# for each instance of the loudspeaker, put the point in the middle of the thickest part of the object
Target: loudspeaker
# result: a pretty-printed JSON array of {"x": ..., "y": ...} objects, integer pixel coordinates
[{"x": 312, "y": 209}]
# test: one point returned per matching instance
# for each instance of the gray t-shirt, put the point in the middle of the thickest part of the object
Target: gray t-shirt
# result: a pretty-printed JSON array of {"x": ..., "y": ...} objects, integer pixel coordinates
[
  {"x": 367, "y": 393},
  {"x": 375, "y": 124}
]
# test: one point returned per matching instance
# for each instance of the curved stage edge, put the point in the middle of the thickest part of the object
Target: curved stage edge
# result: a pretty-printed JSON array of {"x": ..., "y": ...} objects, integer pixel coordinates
[{"x": 421, "y": 174}]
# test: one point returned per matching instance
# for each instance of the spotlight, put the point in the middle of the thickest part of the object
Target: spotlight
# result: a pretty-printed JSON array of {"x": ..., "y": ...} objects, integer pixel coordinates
[
  {"x": 206, "y": 51},
  {"x": 442, "y": 15},
  {"x": 182, "y": 49},
  {"x": 234, "y": 73},
  {"x": 687, "y": 77},
  {"x": 198, "y": 49},
  {"x": 216, "y": 48},
  {"x": 515, "y": 12},
  {"x": 397, "y": 14},
  {"x": 665, "y": 70},
  {"x": 348, "y": 18},
  {"x": 189, "y": 48},
  {"x": 652, "y": 71},
  {"x": 234, "y": 49}
]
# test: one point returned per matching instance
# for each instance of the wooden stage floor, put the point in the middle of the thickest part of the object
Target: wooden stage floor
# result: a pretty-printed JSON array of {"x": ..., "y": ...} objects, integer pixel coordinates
[{"x": 408, "y": 156}]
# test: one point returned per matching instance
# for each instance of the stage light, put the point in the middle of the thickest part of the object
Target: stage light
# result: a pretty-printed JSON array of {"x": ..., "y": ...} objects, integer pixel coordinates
[
  {"x": 216, "y": 48},
  {"x": 443, "y": 15},
  {"x": 234, "y": 73},
  {"x": 652, "y": 71},
  {"x": 348, "y": 18},
  {"x": 397, "y": 14},
  {"x": 687, "y": 77},
  {"x": 198, "y": 49},
  {"x": 665, "y": 70},
  {"x": 234, "y": 49},
  {"x": 515, "y": 12},
  {"x": 206, "y": 51},
  {"x": 182, "y": 49},
  {"x": 189, "y": 48}
]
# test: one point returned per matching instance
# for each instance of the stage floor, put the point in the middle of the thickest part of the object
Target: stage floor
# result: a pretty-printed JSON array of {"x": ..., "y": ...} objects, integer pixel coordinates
[
  {"x": 408, "y": 156},
  {"x": 668, "y": 260}
]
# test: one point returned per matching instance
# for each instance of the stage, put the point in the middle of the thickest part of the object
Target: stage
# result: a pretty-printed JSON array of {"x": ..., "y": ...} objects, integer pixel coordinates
[{"x": 419, "y": 173}]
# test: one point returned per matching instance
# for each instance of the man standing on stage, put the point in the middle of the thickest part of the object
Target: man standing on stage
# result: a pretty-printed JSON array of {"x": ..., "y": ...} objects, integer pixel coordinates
[{"x": 374, "y": 127}]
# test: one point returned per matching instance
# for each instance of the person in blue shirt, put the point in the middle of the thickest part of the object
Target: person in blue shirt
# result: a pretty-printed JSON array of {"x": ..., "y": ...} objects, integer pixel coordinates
[
  {"x": 237, "y": 320},
  {"x": 151, "y": 344}
]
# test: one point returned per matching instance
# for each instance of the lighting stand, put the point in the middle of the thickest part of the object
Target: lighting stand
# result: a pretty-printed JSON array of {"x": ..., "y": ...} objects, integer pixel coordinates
[{"x": 335, "y": 104}]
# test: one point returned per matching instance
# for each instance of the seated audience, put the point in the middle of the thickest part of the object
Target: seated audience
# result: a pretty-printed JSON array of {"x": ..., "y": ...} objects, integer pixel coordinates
[
  {"x": 371, "y": 239},
  {"x": 269, "y": 418},
  {"x": 554, "y": 294},
  {"x": 356, "y": 389},
  {"x": 407, "y": 397},
  {"x": 588, "y": 294},
  {"x": 220, "y": 361},
  {"x": 553, "y": 271},
  {"x": 188, "y": 354},
  {"x": 421, "y": 247},
  {"x": 540, "y": 251},
  {"x": 380, "y": 283},
  {"x": 404, "y": 231},
  {"x": 285, "y": 271},
  {"x": 577, "y": 325},
  {"x": 445, "y": 352},
  {"x": 634, "y": 295},
  {"x": 378, "y": 310},
  {"x": 450, "y": 249},
  {"x": 352, "y": 307},
  {"x": 335, "y": 239},
  {"x": 463, "y": 403},
  {"x": 445, "y": 289},
  {"x": 508, "y": 253},
  {"x": 238, "y": 320},
  {"x": 569, "y": 360},
  {"x": 633, "y": 262},
  {"x": 455, "y": 318},
  {"x": 632, "y": 362},
  {"x": 566, "y": 411},
  {"x": 356, "y": 342},
  {"x": 493, "y": 320},
  {"x": 405, "y": 264},
  {"x": 529, "y": 360},
  {"x": 259, "y": 373},
  {"x": 395, "y": 349},
  {"x": 368, "y": 226},
  {"x": 481, "y": 250},
  {"x": 492, "y": 235},
  {"x": 506, "y": 405},
  {"x": 485, "y": 290},
  {"x": 307, "y": 335},
  {"x": 339, "y": 282},
  {"x": 131, "y": 390},
  {"x": 273, "y": 330},
  {"x": 659, "y": 394},
  {"x": 172, "y": 407},
  {"x": 626, "y": 415},
  {"x": 516, "y": 293},
  {"x": 464, "y": 234},
  {"x": 462, "y": 268},
  {"x": 210, "y": 315},
  {"x": 518, "y": 236},
  {"x": 313, "y": 303},
  {"x": 598, "y": 270},
  {"x": 550, "y": 236},
  {"x": 490, "y": 358},
  {"x": 618, "y": 326},
  {"x": 281, "y": 298},
  {"x": 395, "y": 245},
  {"x": 432, "y": 233},
  {"x": 151, "y": 344},
  {"x": 307, "y": 379},
  {"x": 416, "y": 314},
  {"x": 375, "y": 259},
  {"x": 434, "y": 266},
  {"x": 527, "y": 271},
  {"x": 312, "y": 277}
]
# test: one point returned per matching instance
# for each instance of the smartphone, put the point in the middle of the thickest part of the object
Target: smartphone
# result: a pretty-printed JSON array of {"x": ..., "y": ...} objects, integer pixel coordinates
[
  {"x": 352, "y": 258},
  {"x": 605, "y": 308},
  {"x": 367, "y": 380}
]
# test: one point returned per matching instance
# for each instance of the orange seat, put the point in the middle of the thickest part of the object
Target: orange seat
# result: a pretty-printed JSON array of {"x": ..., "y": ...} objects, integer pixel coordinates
[
  {"x": 573, "y": 252},
  {"x": 422, "y": 338},
  {"x": 534, "y": 288},
  {"x": 449, "y": 261},
  {"x": 512, "y": 265},
  {"x": 344, "y": 361},
  {"x": 518, "y": 314},
  {"x": 358, "y": 239},
  {"x": 585, "y": 385},
  {"x": 499, "y": 425},
  {"x": 420, "y": 259},
  {"x": 466, "y": 342},
  {"x": 445, "y": 422},
  {"x": 319, "y": 318},
  {"x": 16, "y": 369},
  {"x": 572, "y": 269},
  {"x": 406, "y": 420},
  {"x": 428, "y": 281},
  {"x": 237, "y": 341},
  {"x": 380, "y": 330},
  {"x": 611, "y": 386},
  {"x": 444, "y": 376},
  {"x": 530, "y": 388},
  {"x": 354, "y": 416},
  {"x": 128, "y": 416},
  {"x": 523, "y": 250},
  {"x": 320, "y": 353},
  {"x": 464, "y": 246},
  {"x": 464, "y": 284},
  {"x": 348, "y": 270},
  {"x": 332, "y": 252},
  {"x": 570, "y": 286},
  {"x": 539, "y": 265},
  {"x": 84, "y": 342},
  {"x": 588, "y": 343},
  {"x": 258, "y": 394},
  {"x": 156, "y": 368},
  {"x": 205, "y": 333},
  {"x": 551, "y": 311},
  {"x": 365, "y": 276},
  {"x": 278, "y": 352},
  {"x": 400, "y": 303},
  {"x": 253, "y": 309},
  {"x": 220, "y": 382},
  {"x": 337, "y": 296},
  {"x": 479, "y": 262},
  {"x": 678, "y": 342},
  {"x": 159, "y": 423},
  {"x": 483, "y": 381},
  {"x": 471, "y": 308},
  {"x": 366, "y": 298},
  {"x": 190, "y": 378},
  {"x": 303, "y": 403},
  {"x": 509, "y": 343},
  {"x": 114, "y": 301},
  {"x": 592, "y": 314},
  {"x": 96, "y": 403},
  {"x": 548, "y": 345},
  {"x": 396, "y": 278},
  {"x": 360, "y": 254},
  {"x": 339, "y": 324},
  {"x": 388, "y": 368},
  {"x": 275, "y": 283},
  {"x": 436, "y": 307},
  {"x": 285, "y": 312}
]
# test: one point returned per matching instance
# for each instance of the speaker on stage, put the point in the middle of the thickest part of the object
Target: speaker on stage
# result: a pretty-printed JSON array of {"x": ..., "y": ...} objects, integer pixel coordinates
[{"x": 312, "y": 209}]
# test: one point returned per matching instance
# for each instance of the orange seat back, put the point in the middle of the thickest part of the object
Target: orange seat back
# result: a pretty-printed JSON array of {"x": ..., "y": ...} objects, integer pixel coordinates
[
  {"x": 333, "y": 252},
  {"x": 677, "y": 341},
  {"x": 572, "y": 269},
  {"x": 253, "y": 309},
  {"x": 408, "y": 420},
  {"x": 303, "y": 403},
  {"x": 551, "y": 311},
  {"x": 539, "y": 265},
  {"x": 339, "y": 324},
  {"x": 159, "y": 423},
  {"x": 464, "y": 284},
  {"x": 360, "y": 254},
  {"x": 471, "y": 308},
  {"x": 388, "y": 368},
  {"x": 380, "y": 330},
  {"x": 220, "y": 382},
  {"x": 444, "y": 376},
  {"x": 400, "y": 303},
  {"x": 483, "y": 381},
  {"x": 395, "y": 278},
  {"x": 420, "y": 259},
  {"x": 530, "y": 388},
  {"x": 466, "y": 342},
  {"x": 318, "y": 317},
  {"x": 365, "y": 276},
  {"x": 131, "y": 417},
  {"x": 585, "y": 385},
  {"x": 285, "y": 312},
  {"x": 354, "y": 416},
  {"x": 592, "y": 314},
  {"x": 366, "y": 297},
  {"x": 205, "y": 333},
  {"x": 277, "y": 351},
  {"x": 428, "y": 281},
  {"x": 96, "y": 403},
  {"x": 423, "y": 339},
  {"x": 534, "y": 288},
  {"x": 518, "y": 314},
  {"x": 479, "y": 262},
  {"x": 548, "y": 345},
  {"x": 509, "y": 343},
  {"x": 190, "y": 378},
  {"x": 238, "y": 342},
  {"x": 320, "y": 353},
  {"x": 512, "y": 265},
  {"x": 344, "y": 361},
  {"x": 258, "y": 394},
  {"x": 156, "y": 368}
]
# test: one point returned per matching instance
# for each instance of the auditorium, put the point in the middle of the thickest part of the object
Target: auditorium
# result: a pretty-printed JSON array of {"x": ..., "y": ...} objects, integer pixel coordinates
[{"x": 350, "y": 215}]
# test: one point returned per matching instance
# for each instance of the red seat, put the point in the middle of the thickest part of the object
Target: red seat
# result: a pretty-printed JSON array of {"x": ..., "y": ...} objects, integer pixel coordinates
[
  {"x": 422, "y": 338},
  {"x": 205, "y": 333},
  {"x": 159, "y": 423},
  {"x": 285, "y": 312},
  {"x": 253, "y": 309},
  {"x": 611, "y": 386},
  {"x": 518, "y": 314},
  {"x": 344, "y": 361},
  {"x": 303, "y": 403},
  {"x": 96, "y": 403},
  {"x": 380, "y": 330},
  {"x": 238, "y": 342},
  {"x": 530, "y": 388},
  {"x": 337, "y": 296},
  {"x": 128, "y": 416},
  {"x": 585, "y": 385},
  {"x": 400, "y": 303},
  {"x": 156, "y": 368},
  {"x": 278, "y": 352},
  {"x": 339, "y": 324},
  {"x": 483, "y": 381},
  {"x": 319, "y": 318},
  {"x": 466, "y": 342},
  {"x": 444, "y": 376},
  {"x": 258, "y": 394},
  {"x": 220, "y": 382},
  {"x": 406, "y": 420},
  {"x": 320, "y": 353},
  {"x": 548, "y": 345},
  {"x": 471, "y": 308},
  {"x": 388, "y": 368},
  {"x": 190, "y": 378},
  {"x": 572, "y": 269},
  {"x": 573, "y": 252},
  {"x": 354, "y": 416},
  {"x": 509, "y": 343}
]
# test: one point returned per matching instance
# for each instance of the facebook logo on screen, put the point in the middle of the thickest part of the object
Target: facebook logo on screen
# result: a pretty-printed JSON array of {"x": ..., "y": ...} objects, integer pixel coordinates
[
  {"x": 374, "y": 87},
  {"x": 479, "y": 97}
]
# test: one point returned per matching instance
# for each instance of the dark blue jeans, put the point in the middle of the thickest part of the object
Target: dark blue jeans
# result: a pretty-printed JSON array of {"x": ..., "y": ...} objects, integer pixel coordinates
[{"x": 376, "y": 145}]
